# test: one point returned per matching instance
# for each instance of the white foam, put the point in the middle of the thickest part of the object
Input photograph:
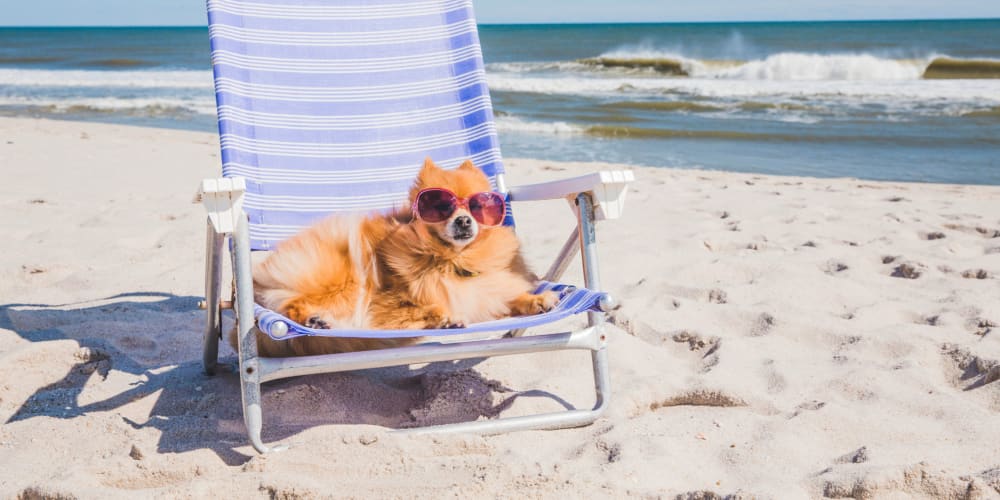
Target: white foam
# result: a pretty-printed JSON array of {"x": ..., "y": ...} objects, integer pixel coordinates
[
  {"x": 528, "y": 67},
  {"x": 797, "y": 66},
  {"x": 188, "y": 79},
  {"x": 900, "y": 90},
  {"x": 514, "y": 124},
  {"x": 114, "y": 104}
]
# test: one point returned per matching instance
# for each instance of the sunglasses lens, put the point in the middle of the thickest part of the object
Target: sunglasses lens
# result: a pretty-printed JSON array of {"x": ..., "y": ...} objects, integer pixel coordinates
[
  {"x": 487, "y": 208},
  {"x": 435, "y": 205}
]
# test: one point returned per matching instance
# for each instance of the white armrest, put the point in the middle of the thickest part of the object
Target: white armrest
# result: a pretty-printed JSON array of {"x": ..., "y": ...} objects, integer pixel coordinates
[
  {"x": 223, "y": 198},
  {"x": 607, "y": 187}
]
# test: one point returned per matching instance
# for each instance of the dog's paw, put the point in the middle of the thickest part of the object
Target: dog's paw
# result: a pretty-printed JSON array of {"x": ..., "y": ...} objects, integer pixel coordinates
[
  {"x": 316, "y": 323},
  {"x": 446, "y": 324},
  {"x": 546, "y": 301},
  {"x": 529, "y": 303}
]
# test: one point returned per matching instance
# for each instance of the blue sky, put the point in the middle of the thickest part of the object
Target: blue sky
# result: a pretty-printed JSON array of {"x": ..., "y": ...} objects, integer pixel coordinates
[{"x": 191, "y": 12}]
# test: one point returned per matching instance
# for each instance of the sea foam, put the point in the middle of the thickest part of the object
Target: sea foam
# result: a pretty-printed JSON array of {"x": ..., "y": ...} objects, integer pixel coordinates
[{"x": 186, "y": 79}]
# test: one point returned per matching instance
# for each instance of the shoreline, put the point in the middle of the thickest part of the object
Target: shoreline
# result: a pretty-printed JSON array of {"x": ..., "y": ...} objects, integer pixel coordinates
[
  {"x": 214, "y": 134},
  {"x": 781, "y": 337}
]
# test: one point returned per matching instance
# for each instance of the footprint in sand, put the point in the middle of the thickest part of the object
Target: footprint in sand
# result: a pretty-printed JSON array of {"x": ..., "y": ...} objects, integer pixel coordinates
[
  {"x": 708, "y": 347},
  {"x": 936, "y": 235},
  {"x": 834, "y": 266},
  {"x": 983, "y": 326},
  {"x": 858, "y": 456},
  {"x": 973, "y": 371},
  {"x": 776, "y": 382},
  {"x": 907, "y": 270},
  {"x": 988, "y": 233},
  {"x": 805, "y": 406},
  {"x": 985, "y": 232},
  {"x": 717, "y": 296},
  {"x": 979, "y": 274},
  {"x": 763, "y": 325}
]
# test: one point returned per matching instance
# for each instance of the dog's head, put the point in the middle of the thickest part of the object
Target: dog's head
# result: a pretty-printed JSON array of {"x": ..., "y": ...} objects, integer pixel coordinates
[{"x": 460, "y": 228}]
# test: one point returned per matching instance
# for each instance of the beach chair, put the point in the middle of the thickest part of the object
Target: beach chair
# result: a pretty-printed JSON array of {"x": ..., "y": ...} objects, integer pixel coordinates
[{"x": 329, "y": 107}]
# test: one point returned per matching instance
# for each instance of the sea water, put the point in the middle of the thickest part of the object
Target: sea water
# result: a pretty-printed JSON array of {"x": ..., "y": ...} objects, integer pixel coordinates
[{"x": 899, "y": 100}]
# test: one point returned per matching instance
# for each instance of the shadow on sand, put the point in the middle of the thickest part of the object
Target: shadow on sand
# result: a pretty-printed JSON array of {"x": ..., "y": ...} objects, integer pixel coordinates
[{"x": 147, "y": 344}]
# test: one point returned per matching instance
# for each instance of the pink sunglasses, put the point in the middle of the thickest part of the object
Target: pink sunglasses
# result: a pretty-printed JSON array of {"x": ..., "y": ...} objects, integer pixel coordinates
[{"x": 438, "y": 204}]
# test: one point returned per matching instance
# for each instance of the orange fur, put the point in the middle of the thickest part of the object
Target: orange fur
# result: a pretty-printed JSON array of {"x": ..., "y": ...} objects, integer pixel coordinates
[{"x": 381, "y": 272}]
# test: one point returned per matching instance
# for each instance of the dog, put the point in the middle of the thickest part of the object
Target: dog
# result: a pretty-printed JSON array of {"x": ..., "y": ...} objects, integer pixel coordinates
[{"x": 445, "y": 262}]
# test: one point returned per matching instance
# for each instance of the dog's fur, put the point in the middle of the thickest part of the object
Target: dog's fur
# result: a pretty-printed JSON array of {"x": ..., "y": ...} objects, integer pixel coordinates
[{"x": 396, "y": 272}]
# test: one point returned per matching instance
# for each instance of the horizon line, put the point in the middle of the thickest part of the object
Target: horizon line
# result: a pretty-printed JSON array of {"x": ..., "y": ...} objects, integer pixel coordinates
[{"x": 550, "y": 23}]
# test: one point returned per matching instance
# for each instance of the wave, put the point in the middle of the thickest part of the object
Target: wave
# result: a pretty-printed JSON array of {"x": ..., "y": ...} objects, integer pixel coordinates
[
  {"x": 186, "y": 79},
  {"x": 799, "y": 66},
  {"x": 151, "y": 107},
  {"x": 978, "y": 92},
  {"x": 949, "y": 68},
  {"x": 626, "y": 132},
  {"x": 993, "y": 112},
  {"x": 802, "y": 66},
  {"x": 507, "y": 123},
  {"x": 688, "y": 106},
  {"x": 660, "y": 65}
]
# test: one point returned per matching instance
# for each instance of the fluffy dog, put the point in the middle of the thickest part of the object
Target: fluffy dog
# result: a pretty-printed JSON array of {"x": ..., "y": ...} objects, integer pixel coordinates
[{"x": 397, "y": 272}]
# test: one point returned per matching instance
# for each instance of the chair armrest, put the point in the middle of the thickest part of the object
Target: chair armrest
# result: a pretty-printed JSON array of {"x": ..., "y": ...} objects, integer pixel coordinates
[
  {"x": 607, "y": 187},
  {"x": 223, "y": 199}
]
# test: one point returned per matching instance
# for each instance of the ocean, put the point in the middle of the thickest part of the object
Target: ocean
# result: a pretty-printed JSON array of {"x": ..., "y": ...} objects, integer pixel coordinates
[{"x": 899, "y": 100}]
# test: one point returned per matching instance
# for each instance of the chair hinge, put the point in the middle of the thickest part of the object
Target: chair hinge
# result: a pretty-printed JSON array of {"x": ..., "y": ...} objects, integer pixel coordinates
[
  {"x": 609, "y": 195},
  {"x": 223, "y": 199}
]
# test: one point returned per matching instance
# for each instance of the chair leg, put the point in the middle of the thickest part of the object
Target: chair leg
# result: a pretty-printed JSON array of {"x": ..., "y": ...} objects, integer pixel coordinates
[
  {"x": 248, "y": 365},
  {"x": 213, "y": 288},
  {"x": 592, "y": 280}
]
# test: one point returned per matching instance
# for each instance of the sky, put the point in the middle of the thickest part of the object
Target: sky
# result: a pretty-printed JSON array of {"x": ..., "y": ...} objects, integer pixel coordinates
[{"x": 192, "y": 12}]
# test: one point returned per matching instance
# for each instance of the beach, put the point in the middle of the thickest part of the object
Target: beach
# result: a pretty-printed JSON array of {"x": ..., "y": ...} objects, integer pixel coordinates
[{"x": 780, "y": 337}]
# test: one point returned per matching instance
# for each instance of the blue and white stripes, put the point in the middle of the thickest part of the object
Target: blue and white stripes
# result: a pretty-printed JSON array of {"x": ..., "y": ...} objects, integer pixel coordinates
[{"x": 332, "y": 106}]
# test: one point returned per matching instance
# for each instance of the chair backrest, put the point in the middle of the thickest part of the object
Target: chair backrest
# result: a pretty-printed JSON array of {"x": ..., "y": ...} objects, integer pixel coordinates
[{"x": 331, "y": 105}]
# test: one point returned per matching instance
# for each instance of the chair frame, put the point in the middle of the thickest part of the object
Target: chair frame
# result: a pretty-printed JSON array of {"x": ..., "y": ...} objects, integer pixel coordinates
[{"x": 594, "y": 196}]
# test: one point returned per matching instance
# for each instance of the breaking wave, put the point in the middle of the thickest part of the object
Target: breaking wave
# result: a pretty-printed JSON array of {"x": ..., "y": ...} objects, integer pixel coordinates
[{"x": 799, "y": 66}]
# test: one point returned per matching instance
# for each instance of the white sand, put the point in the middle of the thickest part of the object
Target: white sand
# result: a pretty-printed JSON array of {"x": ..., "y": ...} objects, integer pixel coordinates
[{"x": 769, "y": 349}]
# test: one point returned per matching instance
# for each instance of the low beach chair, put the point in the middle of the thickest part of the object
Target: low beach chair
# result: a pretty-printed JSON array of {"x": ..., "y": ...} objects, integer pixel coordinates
[{"x": 329, "y": 107}]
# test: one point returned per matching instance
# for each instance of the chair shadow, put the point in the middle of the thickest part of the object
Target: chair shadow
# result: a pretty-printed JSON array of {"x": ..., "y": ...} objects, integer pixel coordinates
[{"x": 137, "y": 345}]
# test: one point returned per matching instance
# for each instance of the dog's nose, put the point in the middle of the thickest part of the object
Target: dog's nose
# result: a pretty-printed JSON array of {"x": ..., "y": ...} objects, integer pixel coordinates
[{"x": 463, "y": 222}]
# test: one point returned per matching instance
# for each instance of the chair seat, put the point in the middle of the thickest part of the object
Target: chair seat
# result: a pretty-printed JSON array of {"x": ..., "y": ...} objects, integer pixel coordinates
[{"x": 572, "y": 300}]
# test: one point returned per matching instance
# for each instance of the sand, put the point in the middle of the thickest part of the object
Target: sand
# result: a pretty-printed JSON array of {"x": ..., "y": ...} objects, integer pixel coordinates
[{"x": 780, "y": 337}]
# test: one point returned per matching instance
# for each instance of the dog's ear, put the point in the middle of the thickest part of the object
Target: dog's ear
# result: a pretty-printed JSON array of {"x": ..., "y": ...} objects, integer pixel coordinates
[
  {"x": 428, "y": 173},
  {"x": 467, "y": 165},
  {"x": 429, "y": 164}
]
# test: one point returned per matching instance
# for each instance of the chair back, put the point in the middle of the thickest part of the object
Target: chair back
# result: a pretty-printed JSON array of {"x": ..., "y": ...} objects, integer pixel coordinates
[{"x": 331, "y": 106}]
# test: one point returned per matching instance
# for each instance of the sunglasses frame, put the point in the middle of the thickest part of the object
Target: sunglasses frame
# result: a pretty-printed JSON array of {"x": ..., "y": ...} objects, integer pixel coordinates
[{"x": 460, "y": 203}]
